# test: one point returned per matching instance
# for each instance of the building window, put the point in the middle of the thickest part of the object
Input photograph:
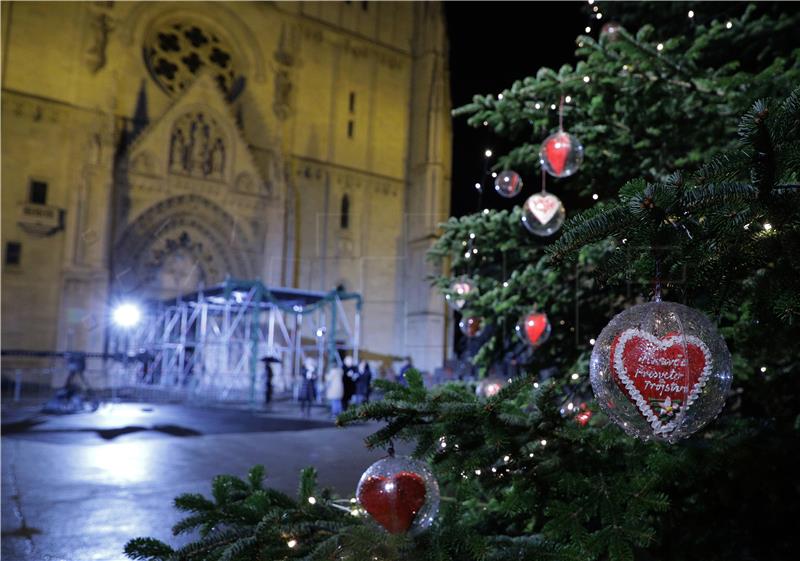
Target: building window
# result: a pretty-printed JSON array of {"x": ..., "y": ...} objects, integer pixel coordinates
[
  {"x": 344, "y": 217},
  {"x": 352, "y": 102},
  {"x": 13, "y": 251},
  {"x": 37, "y": 194},
  {"x": 350, "y": 128}
]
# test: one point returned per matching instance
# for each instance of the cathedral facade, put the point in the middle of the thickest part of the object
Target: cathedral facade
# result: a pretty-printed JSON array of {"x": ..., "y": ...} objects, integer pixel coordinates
[{"x": 153, "y": 148}]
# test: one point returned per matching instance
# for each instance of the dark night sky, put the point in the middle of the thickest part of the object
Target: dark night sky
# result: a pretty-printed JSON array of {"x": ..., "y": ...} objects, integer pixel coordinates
[{"x": 491, "y": 45}]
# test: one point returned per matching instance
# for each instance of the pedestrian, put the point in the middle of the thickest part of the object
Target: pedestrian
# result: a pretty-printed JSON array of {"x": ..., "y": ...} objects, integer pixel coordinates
[
  {"x": 363, "y": 382},
  {"x": 401, "y": 378},
  {"x": 349, "y": 381},
  {"x": 307, "y": 394},
  {"x": 268, "y": 375},
  {"x": 334, "y": 391}
]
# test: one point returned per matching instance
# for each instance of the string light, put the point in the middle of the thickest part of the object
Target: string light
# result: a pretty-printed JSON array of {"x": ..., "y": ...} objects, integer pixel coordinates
[
  {"x": 353, "y": 500},
  {"x": 506, "y": 458},
  {"x": 488, "y": 153},
  {"x": 536, "y": 384},
  {"x": 475, "y": 250},
  {"x": 595, "y": 196},
  {"x": 500, "y": 96},
  {"x": 763, "y": 369},
  {"x": 291, "y": 543},
  {"x": 729, "y": 25},
  {"x": 543, "y": 442},
  {"x": 537, "y": 105},
  {"x": 477, "y": 472},
  {"x": 591, "y": 341},
  {"x": 575, "y": 376},
  {"x": 767, "y": 226},
  {"x": 591, "y": 2},
  {"x": 494, "y": 470},
  {"x": 568, "y": 99},
  {"x": 660, "y": 47},
  {"x": 494, "y": 174},
  {"x": 586, "y": 79},
  {"x": 599, "y": 16},
  {"x": 505, "y": 284},
  {"x": 570, "y": 407},
  {"x": 312, "y": 500},
  {"x": 478, "y": 186},
  {"x": 691, "y": 14},
  {"x": 472, "y": 235},
  {"x": 588, "y": 29},
  {"x": 486, "y": 123},
  {"x": 596, "y": 8},
  {"x": 530, "y": 455},
  {"x": 553, "y": 106},
  {"x": 466, "y": 255}
]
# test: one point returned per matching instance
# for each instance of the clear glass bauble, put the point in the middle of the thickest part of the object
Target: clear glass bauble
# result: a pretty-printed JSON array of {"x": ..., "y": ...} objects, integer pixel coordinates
[
  {"x": 490, "y": 386},
  {"x": 460, "y": 290},
  {"x": 660, "y": 370},
  {"x": 400, "y": 494},
  {"x": 543, "y": 214},
  {"x": 471, "y": 326},
  {"x": 508, "y": 184},
  {"x": 534, "y": 328},
  {"x": 610, "y": 31},
  {"x": 561, "y": 154}
]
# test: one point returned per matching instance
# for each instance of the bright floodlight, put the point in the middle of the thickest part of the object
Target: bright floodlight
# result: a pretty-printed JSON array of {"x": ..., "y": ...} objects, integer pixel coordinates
[{"x": 127, "y": 315}]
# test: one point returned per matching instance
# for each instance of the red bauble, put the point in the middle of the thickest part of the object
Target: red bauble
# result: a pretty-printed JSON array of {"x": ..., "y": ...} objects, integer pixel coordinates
[
  {"x": 534, "y": 328},
  {"x": 660, "y": 375},
  {"x": 583, "y": 417},
  {"x": 393, "y": 501}
]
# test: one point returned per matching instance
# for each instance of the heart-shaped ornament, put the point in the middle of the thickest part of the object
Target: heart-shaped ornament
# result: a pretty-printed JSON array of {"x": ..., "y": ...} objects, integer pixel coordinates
[
  {"x": 460, "y": 289},
  {"x": 544, "y": 206},
  {"x": 535, "y": 326},
  {"x": 556, "y": 150},
  {"x": 393, "y": 501},
  {"x": 661, "y": 376}
]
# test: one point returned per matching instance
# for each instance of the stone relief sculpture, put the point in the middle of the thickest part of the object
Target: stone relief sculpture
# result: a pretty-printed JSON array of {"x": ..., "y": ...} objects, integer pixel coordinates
[{"x": 197, "y": 147}]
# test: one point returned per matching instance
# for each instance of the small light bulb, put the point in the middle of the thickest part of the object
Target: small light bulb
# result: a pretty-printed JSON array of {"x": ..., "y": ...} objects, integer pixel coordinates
[
  {"x": 588, "y": 29},
  {"x": 353, "y": 500},
  {"x": 570, "y": 407},
  {"x": 763, "y": 369},
  {"x": 312, "y": 500},
  {"x": 729, "y": 25},
  {"x": 596, "y": 8},
  {"x": 494, "y": 470},
  {"x": 691, "y": 13},
  {"x": 591, "y": 341},
  {"x": 291, "y": 543},
  {"x": 591, "y": 2},
  {"x": 494, "y": 174},
  {"x": 599, "y": 16},
  {"x": 472, "y": 235},
  {"x": 595, "y": 196},
  {"x": 474, "y": 251},
  {"x": 486, "y": 211},
  {"x": 499, "y": 96},
  {"x": 505, "y": 284},
  {"x": 506, "y": 458},
  {"x": 767, "y": 226},
  {"x": 530, "y": 455},
  {"x": 537, "y": 105},
  {"x": 575, "y": 376},
  {"x": 478, "y": 186},
  {"x": 486, "y": 123},
  {"x": 488, "y": 153},
  {"x": 477, "y": 472},
  {"x": 568, "y": 99},
  {"x": 536, "y": 384},
  {"x": 543, "y": 442},
  {"x": 553, "y": 106},
  {"x": 586, "y": 79},
  {"x": 660, "y": 47}
]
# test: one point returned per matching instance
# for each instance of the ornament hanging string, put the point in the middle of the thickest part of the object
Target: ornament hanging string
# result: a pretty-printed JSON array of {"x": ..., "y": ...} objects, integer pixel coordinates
[
  {"x": 561, "y": 114},
  {"x": 544, "y": 181}
]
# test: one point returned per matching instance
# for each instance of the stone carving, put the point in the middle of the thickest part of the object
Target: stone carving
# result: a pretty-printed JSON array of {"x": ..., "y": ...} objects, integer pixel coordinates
[
  {"x": 197, "y": 147},
  {"x": 100, "y": 25}
]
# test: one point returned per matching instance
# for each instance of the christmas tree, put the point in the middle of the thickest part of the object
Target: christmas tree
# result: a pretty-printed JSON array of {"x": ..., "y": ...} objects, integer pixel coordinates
[{"x": 691, "y": 176}]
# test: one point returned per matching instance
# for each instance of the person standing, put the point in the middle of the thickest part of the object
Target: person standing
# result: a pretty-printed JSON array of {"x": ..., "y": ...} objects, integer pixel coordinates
[
  {"x": 334, "y": 391},
  {"x": 307, "y": 393},
  {"x": 268, "y": 375},
  {"x": 363, "y": 382},
  {"x": 349, "y": 381}
]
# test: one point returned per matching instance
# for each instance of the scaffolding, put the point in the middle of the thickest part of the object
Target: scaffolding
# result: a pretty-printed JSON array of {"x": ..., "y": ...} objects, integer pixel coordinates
[{"x": 210, "y": 344}]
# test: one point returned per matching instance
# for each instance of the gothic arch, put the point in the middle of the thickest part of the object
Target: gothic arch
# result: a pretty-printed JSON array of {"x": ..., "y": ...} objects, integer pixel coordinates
[{"x": 185, "y": 238}]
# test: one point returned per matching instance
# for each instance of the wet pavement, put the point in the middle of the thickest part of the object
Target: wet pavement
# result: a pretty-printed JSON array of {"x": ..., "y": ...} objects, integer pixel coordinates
[{"x": 77, "y": 487}]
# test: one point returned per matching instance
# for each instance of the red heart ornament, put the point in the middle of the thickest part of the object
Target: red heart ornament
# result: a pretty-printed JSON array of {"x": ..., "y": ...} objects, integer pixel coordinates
[
  {"x": 556, "y": 149},
  {"x": 393, "y": 501},
  {"x": 662, "y": 377},
  {"x": 535, "y": 325}
]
